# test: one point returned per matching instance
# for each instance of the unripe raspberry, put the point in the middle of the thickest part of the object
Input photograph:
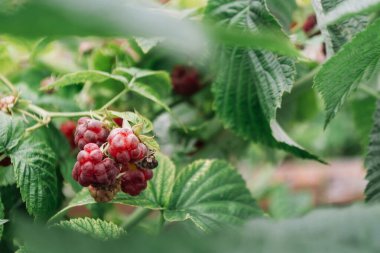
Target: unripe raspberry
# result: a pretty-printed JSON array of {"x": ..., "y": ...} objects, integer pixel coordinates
[
  {"x": 68, "y": 129},
  {"x": 310, "y": 23},
  {"x": 125, "y": 147},
  {"x": 185, "y": 80},
  {"x": 90, "y": 131},
  {"x": 104, "y": 193},
  {"x": 92, "y": 169},
  {"x": 7, "y": 103},
  {"x": 133, "y": 182}
]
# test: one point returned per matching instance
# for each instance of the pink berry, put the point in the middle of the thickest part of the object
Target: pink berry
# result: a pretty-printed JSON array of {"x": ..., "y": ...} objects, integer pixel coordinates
[
  {"x": 90, "y": 131},
  {"x": 133, "y": 182},
  {"x": 92, "y": 169}
]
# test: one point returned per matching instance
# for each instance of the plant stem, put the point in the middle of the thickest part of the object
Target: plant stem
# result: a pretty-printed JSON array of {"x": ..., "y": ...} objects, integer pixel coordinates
[
  {"x": 114, "y": 99},
  {"x": 161, "y": 222},
  {"x": 370, "y": 91},
  {"x": 8, "y": 83},
  {"x": 138, "y": 215}
]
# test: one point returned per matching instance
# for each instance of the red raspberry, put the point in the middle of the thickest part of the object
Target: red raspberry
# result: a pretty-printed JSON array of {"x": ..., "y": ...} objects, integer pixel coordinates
[
  {"x": 90, "y": 131},
  {"x": 310, "y": 23},
  {"x": 148, "y": 174},
  {"x": 133, "y": 182},
  {"x": 6, "y": 161},
  {"x": 92, "y": 169},
  {"x": 118, "y": 121},
  {"x": 68, "y": 129},
  {"x": 185, "y": 80},
  {"x": 124, "y": 146}
]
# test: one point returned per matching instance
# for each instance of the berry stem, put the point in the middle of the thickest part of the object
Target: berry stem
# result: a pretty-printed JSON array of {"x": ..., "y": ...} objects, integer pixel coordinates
[
  {"x": 122, "y": 93},
  {"x": 138, "y": 215},
  {"x": 161, "y": 222},
  {"x": 370, "y": 91},
  {"x": 8, "y": 84}
]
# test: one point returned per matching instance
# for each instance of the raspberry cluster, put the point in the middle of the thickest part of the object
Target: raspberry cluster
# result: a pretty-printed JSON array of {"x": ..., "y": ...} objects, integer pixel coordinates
[{"x": 110, "y": 161}]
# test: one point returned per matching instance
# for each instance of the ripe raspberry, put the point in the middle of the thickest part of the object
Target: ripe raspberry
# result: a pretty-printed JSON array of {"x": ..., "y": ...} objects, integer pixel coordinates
[
  {"x": 104, "y": 193},
  {"x": 92, "y": 169},
  {"x": 185, "y": 80},
  {"x": 90, "y": 131},
  {"x": 6, "y": 161},
  {"x": 68, "y": 129},
  {"x": 133, "y": 182},
  {"x": 124, "y": 146},
  {"x": 309, "y": 24},
  {"x": 148, "y": 174},
  {"x": 118, "y": 121}
]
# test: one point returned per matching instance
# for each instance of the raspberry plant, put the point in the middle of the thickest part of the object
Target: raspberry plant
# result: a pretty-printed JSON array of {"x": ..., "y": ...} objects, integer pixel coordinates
[{"x": 107, "y": 105}]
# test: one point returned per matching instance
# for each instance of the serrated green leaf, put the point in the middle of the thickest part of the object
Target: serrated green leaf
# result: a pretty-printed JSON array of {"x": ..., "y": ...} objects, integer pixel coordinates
[
  {"x": 283, "y": 11},
  {"x": 356, "y": 63},
  {"x": 84, "y": 76},
  {"x": 34, "y": 168},
  {"x": 154, "y": 197},
  {"x": 149, "y": 93},
  {"x": 2, "y": 221},
  {"x": 150, "y": 142},
  {"x": 350, "y": 8},
  {"x": 96, "y": 228},
  {"x": 7, "y": 176},
  {"x": 250, "y": 83},
  {"x": 336, "y": 35},
  {"x": 211, "y": 193},
  {"x": 11, "y": 131},
  {"x": 372, "y": 160}
]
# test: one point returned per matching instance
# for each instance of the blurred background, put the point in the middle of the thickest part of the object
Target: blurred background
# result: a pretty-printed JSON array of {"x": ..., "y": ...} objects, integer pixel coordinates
[{"x": 284, "y": 185}]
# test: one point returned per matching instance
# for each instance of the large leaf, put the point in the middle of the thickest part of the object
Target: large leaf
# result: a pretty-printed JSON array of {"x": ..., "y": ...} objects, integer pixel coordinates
[
  {"x": 96, "y": 228},
  {"x": 250, "y": 83},
  {"x": 84, "y": 76},
  {"x": 349, "y": 8},
  {"x": 372, "y": 190},
  {"x": 356, "y": 63},
  {"x": 349, "y": 230},
  {"x": 211, "y": 194},
  {"x": 11, "y": 131},
  {"x": 336, "y": 35},
  {"x": 154, "y": 197},
  {"x": 283, "y": 11},
  {"x": 34, "y": 167}
]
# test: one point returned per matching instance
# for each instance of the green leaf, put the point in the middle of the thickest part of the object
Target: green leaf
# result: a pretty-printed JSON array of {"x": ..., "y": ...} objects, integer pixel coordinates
[
  {"x": 147, "y": 44},
  {"x": 149, "y": 93},
  {"x": 2, "y": 221},
  {"x": 350, "y": 8},
  {"x": 7, "y": 176},
  {"x": 96, "y": 228},
  {"x": 250, "y": 84},
  {"x": 150, "y": 142},
  {"x": 84, "y": 76},
  {"x": 211, "y": 194},
  {"x": 135, "y": 118},
  {"x": 11, "y": 131},
  {"x": 356, "y": 63},
  {"x": 336, "y": 35},
  {"x": 372, "y": 161},
  {"x": 154, "y": 197},
  {"x": 283, "y": 11},
  {"x": 34, "y": 168}
]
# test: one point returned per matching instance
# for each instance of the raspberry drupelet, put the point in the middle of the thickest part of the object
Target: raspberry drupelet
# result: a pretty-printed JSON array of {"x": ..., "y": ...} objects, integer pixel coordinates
[
  {"x": 92, "y": 169},
  {"x": 125, "y": 147},
  {"x": 90, "y": 131}
]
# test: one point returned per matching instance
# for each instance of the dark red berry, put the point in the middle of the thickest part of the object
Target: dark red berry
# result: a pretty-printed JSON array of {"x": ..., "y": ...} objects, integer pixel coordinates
[
  {"x": 133, "y": 182},
  {"x": 125, "y": 147},
  {"x": 68, "y": 129},
  {"x": 104, "y": 193},
  {"x": 148, "y": 174},
  {"x": 309, "y": 24},
  {"x": 5, "y": 162},
  {"x": 90, "y": 131},
  {"x": 118, "y": 121},
  {"x": 185, "y": 80},
  {"x": 92, "y": 169}
]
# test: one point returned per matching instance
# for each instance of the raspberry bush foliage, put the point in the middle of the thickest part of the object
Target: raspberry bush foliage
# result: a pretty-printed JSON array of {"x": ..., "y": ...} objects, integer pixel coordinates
[{"x": 128, "y": 125}]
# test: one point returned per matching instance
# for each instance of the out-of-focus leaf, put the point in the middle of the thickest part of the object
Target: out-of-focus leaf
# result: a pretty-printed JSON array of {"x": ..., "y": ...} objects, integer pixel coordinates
[
  {"x": 7, "y": 176},
  {"x": 283, "y": 11},
  {"x": 2, "y": 221}
]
